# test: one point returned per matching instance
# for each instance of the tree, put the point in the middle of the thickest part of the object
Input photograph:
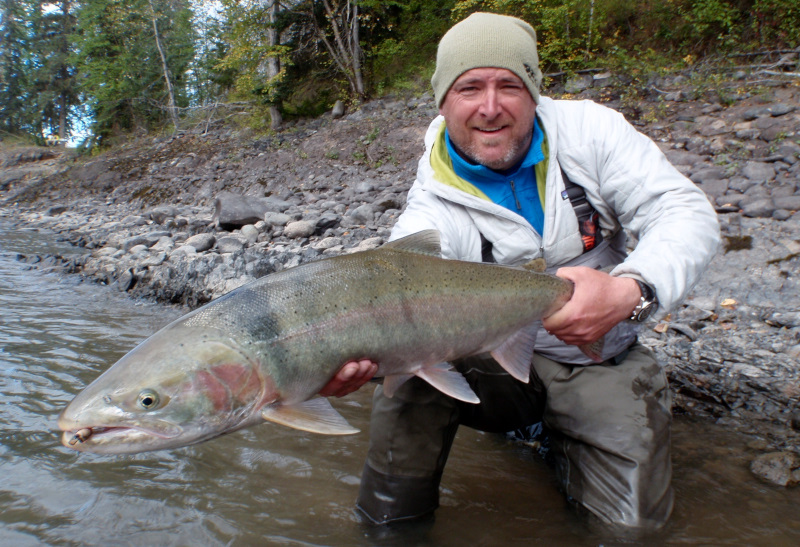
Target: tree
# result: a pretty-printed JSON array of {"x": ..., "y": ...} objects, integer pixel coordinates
[
  {"x": 55, "y": 85},
  {"x": 336, "y": 24},
  {"x": 14, "y": 73},
  {"x": 123, "y": 76}
]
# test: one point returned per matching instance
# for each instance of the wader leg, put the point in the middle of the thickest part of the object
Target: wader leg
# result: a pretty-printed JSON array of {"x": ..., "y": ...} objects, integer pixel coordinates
[
  {"x": 410, "y": 438},
  {"x": 412, "y": 432},
  {"x": 610, "y": 427}
]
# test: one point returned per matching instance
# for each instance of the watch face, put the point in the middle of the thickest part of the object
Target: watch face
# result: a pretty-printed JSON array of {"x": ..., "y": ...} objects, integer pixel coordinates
[{"x": 647, "y": 309}]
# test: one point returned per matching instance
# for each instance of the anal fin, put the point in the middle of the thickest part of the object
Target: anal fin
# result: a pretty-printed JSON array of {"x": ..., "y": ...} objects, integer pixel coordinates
[{"x": 315, "y": 416}]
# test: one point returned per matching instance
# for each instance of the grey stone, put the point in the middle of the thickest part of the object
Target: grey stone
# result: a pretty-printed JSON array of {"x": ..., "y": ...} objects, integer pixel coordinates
[
  {"x": 299, "y": 228},
  {"x": 791, "y": 203},
  {"x": 277, "y": 205},
  {"x": 761, "y": 208},
  {"x": 707, "y": 174},
  {"x": 160, "y": 214},
  {"x": 229, "y": 245},
  {"x": 781, "y": 468},
  {"x": 758, "y": 171},
  {"x": 362, "y": 214},
  {"x": 326, "y": 221},
  {"x": 780, "y": 109},
  {"x": 276, "y": 219},
  {"x": 201, "y": 242},
  {"x": 756, "y": 112},
  {"x": 715, "y": 187},
  {"x": 250, "y": 233},
  {"x": 578, "y": 83},
  {"x": 338, "y": 110},
  {"x": 131, "y": 242},
  {"x": 154, "y": 260},
  {"x": 235, "y": 210}
]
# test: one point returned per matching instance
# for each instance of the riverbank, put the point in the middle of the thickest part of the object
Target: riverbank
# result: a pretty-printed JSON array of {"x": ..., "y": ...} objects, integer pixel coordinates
[{"x": 163, "y": 219}]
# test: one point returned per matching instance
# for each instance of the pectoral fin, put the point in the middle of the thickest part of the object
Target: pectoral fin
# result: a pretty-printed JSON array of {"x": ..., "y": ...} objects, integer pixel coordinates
[
  {"x": 449, "y": 382},
  {"x": 315, "y": 416},
  {"x": 515, "y": 354},
  {"x": 594, "y": 351}
]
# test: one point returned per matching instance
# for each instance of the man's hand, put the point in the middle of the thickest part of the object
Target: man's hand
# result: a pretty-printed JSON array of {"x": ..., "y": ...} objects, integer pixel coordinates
[
  {"x": 599, "y": 302},
  {"x": 350, "y": 377}
]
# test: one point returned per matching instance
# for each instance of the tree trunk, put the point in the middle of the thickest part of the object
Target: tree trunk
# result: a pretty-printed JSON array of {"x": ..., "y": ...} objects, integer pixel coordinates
[
  {"x": 170, "y": 91},
  {"x": 347, "y": 56},
  {"x": 273, "y": 63}
]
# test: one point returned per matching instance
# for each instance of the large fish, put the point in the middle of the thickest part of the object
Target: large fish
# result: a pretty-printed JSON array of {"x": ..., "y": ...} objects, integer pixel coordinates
[{"x": 262, "y": 351}]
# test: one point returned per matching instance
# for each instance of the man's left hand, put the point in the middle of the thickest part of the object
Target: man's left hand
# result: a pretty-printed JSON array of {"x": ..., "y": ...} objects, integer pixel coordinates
[{"x": 599, "y": 302}]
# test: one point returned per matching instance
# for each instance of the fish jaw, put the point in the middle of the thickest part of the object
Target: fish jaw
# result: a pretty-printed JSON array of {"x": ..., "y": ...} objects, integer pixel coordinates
[{"x": 159, "y": 397}]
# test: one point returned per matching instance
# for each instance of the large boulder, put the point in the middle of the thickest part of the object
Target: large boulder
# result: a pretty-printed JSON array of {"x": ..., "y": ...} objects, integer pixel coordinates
[{"x": 233, "y": 211}]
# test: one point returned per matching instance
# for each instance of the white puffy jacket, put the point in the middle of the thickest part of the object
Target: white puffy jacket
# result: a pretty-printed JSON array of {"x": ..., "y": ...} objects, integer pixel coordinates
[{"x": 626, "y": 178}]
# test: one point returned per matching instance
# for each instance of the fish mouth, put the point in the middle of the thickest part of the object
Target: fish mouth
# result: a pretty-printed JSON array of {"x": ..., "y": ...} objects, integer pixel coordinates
[{"x": 111, "y": 439}]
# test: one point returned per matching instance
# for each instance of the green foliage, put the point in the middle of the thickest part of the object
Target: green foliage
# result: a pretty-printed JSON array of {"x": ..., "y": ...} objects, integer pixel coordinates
[
  {"x": 14, "y": 68},
  {"x": 102, "y": 53},
  {"x": 123, "y": 79}
]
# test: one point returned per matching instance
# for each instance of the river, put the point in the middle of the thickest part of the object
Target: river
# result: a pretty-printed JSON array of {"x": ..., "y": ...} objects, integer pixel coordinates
[{"x": 274, "y": 485}]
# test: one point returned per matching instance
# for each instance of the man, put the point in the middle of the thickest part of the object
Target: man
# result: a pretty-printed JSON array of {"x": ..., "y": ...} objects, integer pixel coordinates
[{"x": 509, "y": 176}]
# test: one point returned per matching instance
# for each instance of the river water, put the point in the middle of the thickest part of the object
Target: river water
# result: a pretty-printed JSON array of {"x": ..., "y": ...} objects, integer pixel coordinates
[{"x": 274, "y": 485}]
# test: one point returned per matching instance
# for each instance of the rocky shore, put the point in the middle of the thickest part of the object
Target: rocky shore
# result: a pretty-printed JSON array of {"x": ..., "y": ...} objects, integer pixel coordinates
[{"x": 186, "y": 218}]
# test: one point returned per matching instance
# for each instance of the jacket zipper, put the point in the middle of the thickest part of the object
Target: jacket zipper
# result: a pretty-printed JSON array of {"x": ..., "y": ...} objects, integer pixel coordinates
[{"x": 516, "y": 199}]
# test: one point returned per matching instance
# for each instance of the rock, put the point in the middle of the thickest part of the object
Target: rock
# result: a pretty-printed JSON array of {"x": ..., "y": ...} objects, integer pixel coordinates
[
  {"x": 579, "y": 83},
  {"x": 250, "y": 233},
  {"x": 154, "y": 260},
  {"x": 780, "y": 109},
  {"x": 56, "y": 210},
  {"x": 277, "y": 205},
  {"x": 791, "y": 203},
  {"x": 338, "y": 110},
  {"x": 758, "y": 171},
  {"x": 200, "y": 242},
  {"x": 276, "y": 219},
  {"x": 233, "y": 211},
  {"x": 758, "y": 208},
  {"x": 326, "y": 221},
  {"x": 229, "y": 245},
  {"x": 161, "y": 214},
  {"x": 126, "y": 280},
  {"x": 131, "y": 242},
  {"x": 781, "y": 468},
  {"x": 299, "y": 228},
  {"x": 362, "y": 214}
]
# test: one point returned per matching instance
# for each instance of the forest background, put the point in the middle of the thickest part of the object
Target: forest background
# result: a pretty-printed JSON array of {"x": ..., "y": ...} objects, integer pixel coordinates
[{"x": 108, "y": 69}]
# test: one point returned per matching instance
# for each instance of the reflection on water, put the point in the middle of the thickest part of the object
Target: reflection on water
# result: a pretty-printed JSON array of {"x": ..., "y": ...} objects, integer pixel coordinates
[{"x": 270, "y": 484}]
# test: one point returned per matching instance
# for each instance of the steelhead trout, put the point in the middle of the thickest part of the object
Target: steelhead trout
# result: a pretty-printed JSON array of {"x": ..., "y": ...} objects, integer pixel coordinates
[{"x": 264, "y": 350}]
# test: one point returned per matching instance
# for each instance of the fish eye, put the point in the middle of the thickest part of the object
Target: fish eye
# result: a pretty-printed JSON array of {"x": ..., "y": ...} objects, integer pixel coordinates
[{"x": 148, "y": 399}]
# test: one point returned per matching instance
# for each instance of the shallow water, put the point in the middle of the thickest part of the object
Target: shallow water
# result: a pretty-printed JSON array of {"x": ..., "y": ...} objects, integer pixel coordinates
[{"x": 274, "y": 485}]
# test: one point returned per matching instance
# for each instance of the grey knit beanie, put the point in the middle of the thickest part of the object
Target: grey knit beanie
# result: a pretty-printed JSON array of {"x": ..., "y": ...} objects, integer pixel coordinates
[{"x": 487, "y": 40}]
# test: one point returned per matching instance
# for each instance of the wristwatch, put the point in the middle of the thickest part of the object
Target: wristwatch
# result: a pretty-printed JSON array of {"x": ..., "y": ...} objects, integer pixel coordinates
[{"x": 648, "y": 303}]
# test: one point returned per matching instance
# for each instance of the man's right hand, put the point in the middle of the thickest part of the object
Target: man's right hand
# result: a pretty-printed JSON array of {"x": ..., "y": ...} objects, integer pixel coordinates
[{"x": 350, "y": 377}]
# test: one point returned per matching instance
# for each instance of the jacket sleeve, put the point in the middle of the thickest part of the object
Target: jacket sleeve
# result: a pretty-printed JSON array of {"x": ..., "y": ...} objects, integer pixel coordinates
[{"x": 676, "y": 226}]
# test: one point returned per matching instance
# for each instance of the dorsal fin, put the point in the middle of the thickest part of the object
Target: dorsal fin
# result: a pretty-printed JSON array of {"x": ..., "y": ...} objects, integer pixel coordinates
[
  {"x": 538, "y": 265},
  {"x": 426, "y": 242}
]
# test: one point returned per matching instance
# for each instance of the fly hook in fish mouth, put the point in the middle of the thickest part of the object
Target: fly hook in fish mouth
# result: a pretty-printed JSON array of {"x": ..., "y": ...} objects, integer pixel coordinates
[{"x": 81, "y": 436}]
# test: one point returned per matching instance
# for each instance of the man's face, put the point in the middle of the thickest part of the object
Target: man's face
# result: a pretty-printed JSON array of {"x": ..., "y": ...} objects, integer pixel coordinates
[{"x": 489, "y": 114}]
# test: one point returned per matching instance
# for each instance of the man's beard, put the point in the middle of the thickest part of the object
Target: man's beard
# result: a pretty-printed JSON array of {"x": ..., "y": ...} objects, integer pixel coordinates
[{"x": 474, "y": 154}]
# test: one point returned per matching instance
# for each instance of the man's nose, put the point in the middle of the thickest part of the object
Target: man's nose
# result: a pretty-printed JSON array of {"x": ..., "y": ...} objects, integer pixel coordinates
[{"x": 490, "y": 103}]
